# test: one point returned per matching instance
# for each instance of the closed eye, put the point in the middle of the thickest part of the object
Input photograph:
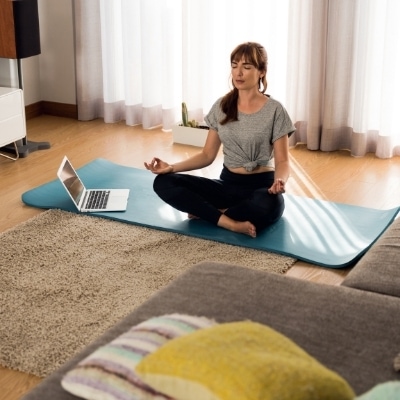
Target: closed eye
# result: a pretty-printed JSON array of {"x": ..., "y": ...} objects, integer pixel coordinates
[{"x": 245, "y": 65}]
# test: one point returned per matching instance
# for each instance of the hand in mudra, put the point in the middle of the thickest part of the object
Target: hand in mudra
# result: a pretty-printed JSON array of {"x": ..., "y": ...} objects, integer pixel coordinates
[
  {"x": 277, "y": 187},
  {"x": 158, "y": 166}
]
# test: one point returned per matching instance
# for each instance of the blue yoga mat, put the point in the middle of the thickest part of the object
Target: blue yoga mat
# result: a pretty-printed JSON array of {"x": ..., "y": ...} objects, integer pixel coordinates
[{"x": 328, "y": 234}]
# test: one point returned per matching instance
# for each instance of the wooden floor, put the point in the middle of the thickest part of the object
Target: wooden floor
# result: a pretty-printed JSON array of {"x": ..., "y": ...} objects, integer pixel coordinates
[{"x": 335, "y": 176}]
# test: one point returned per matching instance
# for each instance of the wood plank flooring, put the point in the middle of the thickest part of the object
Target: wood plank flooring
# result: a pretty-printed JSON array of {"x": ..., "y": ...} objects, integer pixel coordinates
[{"x": 336, "y": 176}]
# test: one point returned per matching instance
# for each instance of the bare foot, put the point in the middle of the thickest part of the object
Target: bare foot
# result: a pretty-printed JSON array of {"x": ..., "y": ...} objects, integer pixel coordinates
[
  {"x": 245, "y": 227},
  {"x": 191, "y": 216}
]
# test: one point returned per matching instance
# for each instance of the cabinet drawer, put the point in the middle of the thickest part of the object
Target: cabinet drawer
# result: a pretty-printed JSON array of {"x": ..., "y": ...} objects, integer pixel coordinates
[
  {"x": 11, "y": 104},
  {"x": 11, "y": 130}
]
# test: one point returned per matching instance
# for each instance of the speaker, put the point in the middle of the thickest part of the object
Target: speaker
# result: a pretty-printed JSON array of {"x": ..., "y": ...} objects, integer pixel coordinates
[{"x": 19, "y": 29}]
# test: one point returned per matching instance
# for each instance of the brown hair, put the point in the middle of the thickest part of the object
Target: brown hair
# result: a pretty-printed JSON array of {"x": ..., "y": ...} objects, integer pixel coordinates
[{"x": 255, "y": 54}]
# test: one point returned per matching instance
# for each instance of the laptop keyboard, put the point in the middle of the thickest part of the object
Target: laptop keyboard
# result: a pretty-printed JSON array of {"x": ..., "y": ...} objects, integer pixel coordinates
[{"x": 97, "y": 199}]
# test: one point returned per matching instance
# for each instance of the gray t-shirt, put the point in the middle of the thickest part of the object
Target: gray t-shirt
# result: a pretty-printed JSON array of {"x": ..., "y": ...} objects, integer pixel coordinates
[{"x": 248, "y": 142}]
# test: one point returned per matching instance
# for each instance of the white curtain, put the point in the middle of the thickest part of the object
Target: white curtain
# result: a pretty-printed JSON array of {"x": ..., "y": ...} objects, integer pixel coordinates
[{"x": 332, "y": 63}]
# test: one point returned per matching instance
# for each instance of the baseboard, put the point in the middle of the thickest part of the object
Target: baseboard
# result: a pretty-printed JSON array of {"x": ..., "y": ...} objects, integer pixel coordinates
[
  {"x": 51, "y": 108},
  {"x": 33, "y": 110}
]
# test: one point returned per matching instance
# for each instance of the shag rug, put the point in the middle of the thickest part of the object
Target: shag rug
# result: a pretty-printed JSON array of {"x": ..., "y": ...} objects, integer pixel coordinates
[{"x": 65, "y": 278}]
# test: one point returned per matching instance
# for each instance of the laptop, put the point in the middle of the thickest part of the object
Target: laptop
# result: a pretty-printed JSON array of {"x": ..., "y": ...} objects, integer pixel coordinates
[{"x": 90, "y": 200}]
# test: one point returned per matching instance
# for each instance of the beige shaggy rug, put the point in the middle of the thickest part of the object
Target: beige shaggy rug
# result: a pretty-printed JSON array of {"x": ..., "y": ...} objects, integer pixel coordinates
[{"x": 65, "y": 278}]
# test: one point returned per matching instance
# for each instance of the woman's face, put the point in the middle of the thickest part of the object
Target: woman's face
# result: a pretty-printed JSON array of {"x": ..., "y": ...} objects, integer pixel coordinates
[{"x": 245, "y": 75}]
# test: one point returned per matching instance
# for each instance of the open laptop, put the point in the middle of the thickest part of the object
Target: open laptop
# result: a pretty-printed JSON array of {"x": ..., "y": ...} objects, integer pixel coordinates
[{"x": 90, "y": 200}]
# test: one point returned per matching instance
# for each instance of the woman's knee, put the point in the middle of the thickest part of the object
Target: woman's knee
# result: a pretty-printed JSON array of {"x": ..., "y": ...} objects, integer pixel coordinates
[
  {"x": 270, "y": 209},
  {"x": 162, "y": 182},
  {"x": 170, "y": 188}
]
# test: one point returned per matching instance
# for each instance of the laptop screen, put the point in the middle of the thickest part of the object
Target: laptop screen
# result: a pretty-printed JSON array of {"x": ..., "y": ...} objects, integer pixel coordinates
[{"x": 71, "y": 182}]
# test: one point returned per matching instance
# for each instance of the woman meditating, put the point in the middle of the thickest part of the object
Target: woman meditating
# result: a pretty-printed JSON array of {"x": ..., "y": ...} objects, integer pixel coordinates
[{"x": 253, "y": 129}]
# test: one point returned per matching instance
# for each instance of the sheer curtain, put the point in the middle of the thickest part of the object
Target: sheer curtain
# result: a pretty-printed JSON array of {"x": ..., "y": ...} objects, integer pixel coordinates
[{"x": 332, "y": 63}]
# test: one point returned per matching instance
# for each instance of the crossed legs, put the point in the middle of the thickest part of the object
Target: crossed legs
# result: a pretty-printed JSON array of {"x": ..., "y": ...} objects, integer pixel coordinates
[{"x": 236, "y": 207}]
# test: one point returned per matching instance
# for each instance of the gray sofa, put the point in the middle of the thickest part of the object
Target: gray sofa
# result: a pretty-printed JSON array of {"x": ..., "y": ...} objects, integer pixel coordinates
[{"x": 353, "y": 329}]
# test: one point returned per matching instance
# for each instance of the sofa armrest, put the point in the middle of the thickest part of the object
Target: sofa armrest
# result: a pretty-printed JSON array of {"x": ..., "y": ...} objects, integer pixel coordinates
[{"x": 379, "y": 269}]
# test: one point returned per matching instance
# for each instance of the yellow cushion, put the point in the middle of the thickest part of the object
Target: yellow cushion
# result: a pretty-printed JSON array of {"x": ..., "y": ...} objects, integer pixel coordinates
[{"x": 239, "y": 361}]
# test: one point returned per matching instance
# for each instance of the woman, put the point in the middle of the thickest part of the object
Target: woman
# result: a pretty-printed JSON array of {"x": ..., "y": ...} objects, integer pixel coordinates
[{"x": 253, "y": 129}]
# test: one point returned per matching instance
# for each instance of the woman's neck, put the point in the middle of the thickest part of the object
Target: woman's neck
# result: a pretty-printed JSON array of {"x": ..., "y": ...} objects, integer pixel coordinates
[{"x": 250, "y": 102}]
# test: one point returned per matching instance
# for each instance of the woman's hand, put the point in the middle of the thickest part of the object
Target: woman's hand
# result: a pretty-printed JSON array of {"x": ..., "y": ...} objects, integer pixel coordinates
[
  {"x": 157, "y": 166},
  {"x": 277, "y": 187},
  {"x": 282, "y": 169}
]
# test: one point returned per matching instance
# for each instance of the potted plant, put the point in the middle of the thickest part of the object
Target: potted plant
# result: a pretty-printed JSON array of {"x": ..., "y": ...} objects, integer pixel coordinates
[{"x": 188, "y": 131}]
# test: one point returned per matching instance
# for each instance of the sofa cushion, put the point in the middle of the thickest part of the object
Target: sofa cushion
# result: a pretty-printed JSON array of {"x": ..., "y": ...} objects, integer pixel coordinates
[
  {"x": 239, "y": 360},
  {"x": 379, "y": 269},
  {"x": 383, "y": 391},
  {"x": 108, "y": 373}
]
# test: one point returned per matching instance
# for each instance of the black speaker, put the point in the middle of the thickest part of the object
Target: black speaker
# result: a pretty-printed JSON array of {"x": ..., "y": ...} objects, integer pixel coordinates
[{"x": 19, "y": 30}]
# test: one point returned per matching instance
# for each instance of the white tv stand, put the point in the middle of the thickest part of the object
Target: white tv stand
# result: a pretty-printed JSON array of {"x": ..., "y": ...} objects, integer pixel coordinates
[{"x": 12, "y": 119}]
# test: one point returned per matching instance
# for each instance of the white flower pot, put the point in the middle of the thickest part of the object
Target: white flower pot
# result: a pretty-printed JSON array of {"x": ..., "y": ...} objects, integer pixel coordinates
[{"x": 187, "y": 135}]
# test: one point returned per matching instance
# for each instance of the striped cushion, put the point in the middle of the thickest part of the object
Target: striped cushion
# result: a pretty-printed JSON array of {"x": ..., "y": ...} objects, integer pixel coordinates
[{"x": 108, "y": 373}]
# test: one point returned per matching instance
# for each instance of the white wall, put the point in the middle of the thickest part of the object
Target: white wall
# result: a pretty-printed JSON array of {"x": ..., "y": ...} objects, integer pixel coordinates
[
  {"x": 31, "y": 80},
  {"x": 57, "y": 60},
  {"x": 49, "y": 76},
  {"x": 8, "y": 73}
]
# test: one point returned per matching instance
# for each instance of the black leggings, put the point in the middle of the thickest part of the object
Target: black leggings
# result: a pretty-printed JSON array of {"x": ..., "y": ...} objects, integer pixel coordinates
[{"x": 245, "y": 197}]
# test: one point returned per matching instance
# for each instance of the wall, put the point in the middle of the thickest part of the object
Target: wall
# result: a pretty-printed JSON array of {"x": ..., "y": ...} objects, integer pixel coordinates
[
  {"x": 8, "y": 73},
  {"x": 49, "y": 76},
  {"x": 57, "y": 60}
]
